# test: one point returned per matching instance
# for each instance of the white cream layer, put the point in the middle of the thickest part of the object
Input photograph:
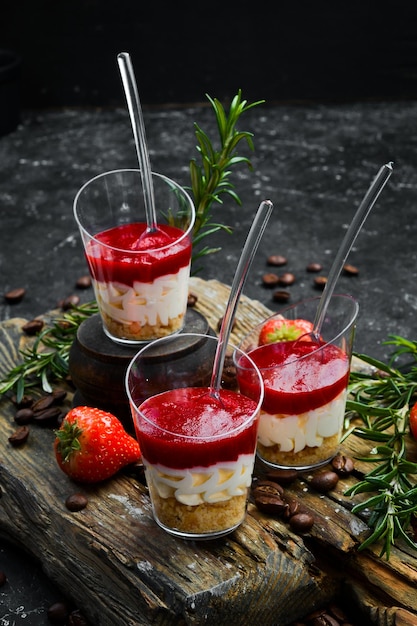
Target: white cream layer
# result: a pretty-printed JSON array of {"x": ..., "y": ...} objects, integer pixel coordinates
[
  {"x": 145, "y": 303},
  {"x": 295, "y": 432},
  {"x": 216, "y": 483}
]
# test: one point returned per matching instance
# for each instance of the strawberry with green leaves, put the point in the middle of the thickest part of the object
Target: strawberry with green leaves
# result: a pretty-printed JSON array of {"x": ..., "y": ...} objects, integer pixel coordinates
[
  {"x": 281, "y": 329},
  {"x": 91, "y": 445}
]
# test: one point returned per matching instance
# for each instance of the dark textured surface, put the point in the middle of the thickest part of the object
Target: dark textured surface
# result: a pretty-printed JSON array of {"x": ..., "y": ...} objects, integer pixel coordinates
[{"x": 314, "y": 162}]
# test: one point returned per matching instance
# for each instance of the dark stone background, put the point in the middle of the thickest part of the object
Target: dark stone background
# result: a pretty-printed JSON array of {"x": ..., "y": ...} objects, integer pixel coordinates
[{"x": 340, "y": 84}]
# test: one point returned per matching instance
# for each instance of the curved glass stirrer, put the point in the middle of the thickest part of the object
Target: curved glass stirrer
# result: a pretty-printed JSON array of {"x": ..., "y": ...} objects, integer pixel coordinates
[
  {"x": 245, "y": 261},
  {"x": 138, "y": 127},
  {"x": 358, "y": 220}
]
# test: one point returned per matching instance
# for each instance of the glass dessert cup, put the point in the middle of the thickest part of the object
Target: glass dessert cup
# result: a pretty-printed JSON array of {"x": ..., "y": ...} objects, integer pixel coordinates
[
  {"x": 198, "y": 451},
  {"x": 302, "y": 415},
  {"x": 140, "y": 279}
]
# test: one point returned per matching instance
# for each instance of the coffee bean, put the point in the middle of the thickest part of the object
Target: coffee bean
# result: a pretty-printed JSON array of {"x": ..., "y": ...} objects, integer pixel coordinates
[
  {"x": 282, "y": 476},
  {"x": 192, "y": 299},
  {"x": 220, "y": 321},
  {"x": 301, "y": 522},
  {"x": 273, "y": 505},
  {"x": 19, "y": 437},
  {"x": 267, "y": 487},
  {"x": 69, "y": 302},
  {"x": 320, "y": 282},
  {"x": 292, "y": 508},
  {"x": 43, "y": 403},
  {"x": 33, "y": 327},
  {"x": 314, "y": 267},
  {"x": 3, "y": 578},
  {"x": 59, "y": 395},
  {"x": 58, "y": 613},
  {"x": 15, "y": 295},
  {"x": 351, "y": 270},
  {"x": 287, "y": 279},
  {"x": 76, "y": 502},
  {"x": 342, "y": 465},
  {"x": 270, "y": 280},
  {"x": 25, "y": 401},
  {"x": 83, "y": 282},
  {"x": 281, "y": 295},
  {"x": 23, "y": 416},
  {"x": 276, "y": 260},
  {"x": 48, "y": 417},
  {"x": 324, "y": 481}
]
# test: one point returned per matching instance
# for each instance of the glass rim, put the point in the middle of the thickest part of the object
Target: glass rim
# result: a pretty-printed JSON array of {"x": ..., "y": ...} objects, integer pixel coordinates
[
  {"x": 211, "y": 438},
  {"x": 169, "y": 181},
  {"x": 328, "y": 342}
]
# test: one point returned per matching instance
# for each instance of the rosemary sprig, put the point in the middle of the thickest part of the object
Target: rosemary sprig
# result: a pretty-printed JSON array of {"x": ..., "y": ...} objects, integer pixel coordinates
[
  {"x": 382, "y": 400},
  {"x": 210, "y": 179},
  {"x": 46, "y": 360}
]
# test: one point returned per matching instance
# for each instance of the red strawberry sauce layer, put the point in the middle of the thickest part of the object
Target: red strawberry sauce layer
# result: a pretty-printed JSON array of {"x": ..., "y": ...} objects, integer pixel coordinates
[
  {"x": 295, "y": 385},
  {"x": 196, "y": 417},
  {"x": 110, "y": 262}
]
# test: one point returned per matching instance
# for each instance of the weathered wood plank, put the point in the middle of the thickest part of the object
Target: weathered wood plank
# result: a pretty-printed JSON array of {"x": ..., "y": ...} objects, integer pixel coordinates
[{"x": 116, "y": 564}]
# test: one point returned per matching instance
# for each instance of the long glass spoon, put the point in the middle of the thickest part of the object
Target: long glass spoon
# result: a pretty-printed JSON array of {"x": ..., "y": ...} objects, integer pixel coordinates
[
  {"x": 245, "y": 261},
  {"x": 357, "y": 222},
  {"x": 138, "y": 127}
]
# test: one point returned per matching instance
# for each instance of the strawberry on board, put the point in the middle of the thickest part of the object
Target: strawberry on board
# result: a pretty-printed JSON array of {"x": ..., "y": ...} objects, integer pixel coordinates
[
  {"x": 413, "y": 420},
  {"x": 92, "y": 445},
  {"x": 281, "y": 329}
]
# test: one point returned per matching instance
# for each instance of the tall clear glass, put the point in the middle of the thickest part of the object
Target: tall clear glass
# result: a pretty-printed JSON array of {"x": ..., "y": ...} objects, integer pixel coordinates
[
  {"x": 140, "y": 279},
  {"x": 198, "y": 451},
  {"x": 302, "y": 414}
]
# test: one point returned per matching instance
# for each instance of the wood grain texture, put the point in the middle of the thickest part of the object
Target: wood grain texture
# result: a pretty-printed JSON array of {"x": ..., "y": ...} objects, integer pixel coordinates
[{"x": 120, "y": 567}]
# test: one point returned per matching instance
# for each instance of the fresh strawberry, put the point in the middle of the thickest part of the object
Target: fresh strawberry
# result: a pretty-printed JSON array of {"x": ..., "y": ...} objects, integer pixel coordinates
[
  {"x": 413, "y": 420},
  {"x": 281, "y": 329},
  {"x": 92, "y": 445}
]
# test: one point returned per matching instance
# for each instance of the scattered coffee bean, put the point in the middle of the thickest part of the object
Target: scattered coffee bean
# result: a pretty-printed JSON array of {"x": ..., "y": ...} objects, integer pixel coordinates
[
  {"x": 320, "y": 282},
  {"x": 58, "y": 613},
  {"x": 270, "y": 280},
  {"x": 220, "y": 321},
  {"x": 83, "y": 282},
  {"x": 3, "y": 578},
  {"x": 301, "y": 522},
  {"x": 281, "y": 295},
  {"x": 76, "y": 502},
  {"x": 287, "y": 279},
  {"x": 23, "y": 416},
  {"x": 69, "y": 302},
  {"x": 292, "y": 508},
  {"x": 25, "y": 401},
  {"x": 342, "y": 465},
  {"x": 19, "y": 437},
  {"x": 48, "y": 417},
  {"x": 15, "y": 295},
  {"x": 276, "y": 260},
  {"x": 33, "y": 327},
  {"x": 267, "y": 487},
  {"x": 192, "y": 299},
  {"x": 273, "y": 505},
  {"x": 59, "y": 395},
  {"x": 43, "y": 403},
  {"x": 282, "y": 476},
  {"x": 324, "y": 481},
  {"x": 351, "y": 270},
  {"x": 314, "y": 267}
]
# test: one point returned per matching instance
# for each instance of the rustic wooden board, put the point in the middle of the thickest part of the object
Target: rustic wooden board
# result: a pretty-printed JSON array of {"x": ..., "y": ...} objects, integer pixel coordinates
[{"x": 119, "y": 567}]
